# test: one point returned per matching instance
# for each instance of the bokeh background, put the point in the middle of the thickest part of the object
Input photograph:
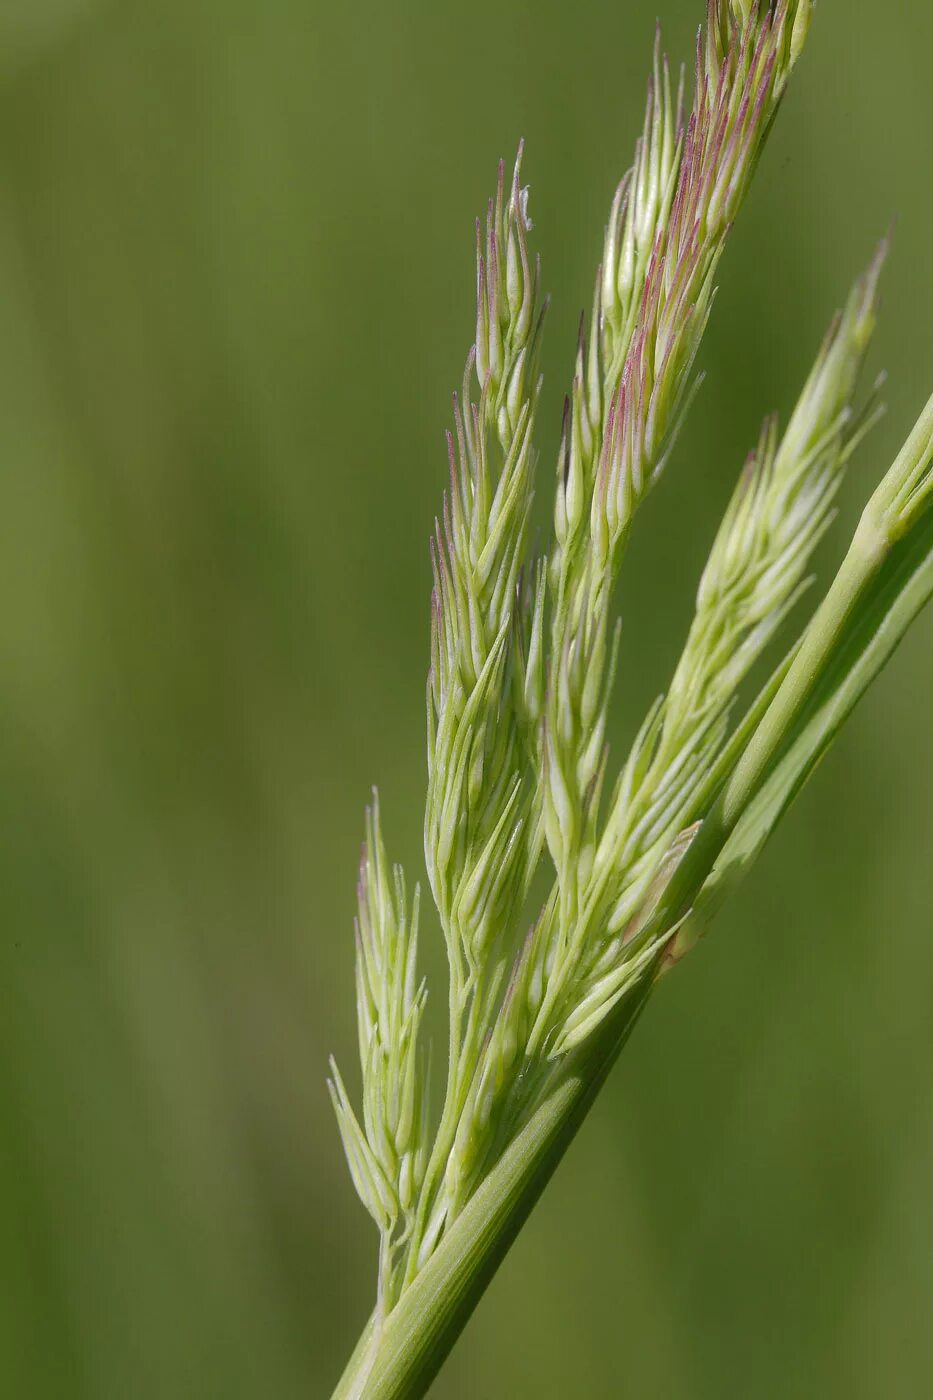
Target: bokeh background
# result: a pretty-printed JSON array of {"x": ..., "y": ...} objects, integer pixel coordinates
[{"x": 236, "y": 280}]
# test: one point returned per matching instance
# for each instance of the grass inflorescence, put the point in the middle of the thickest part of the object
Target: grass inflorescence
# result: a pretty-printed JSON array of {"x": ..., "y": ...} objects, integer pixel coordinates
[{"x": 524, "y": 646}]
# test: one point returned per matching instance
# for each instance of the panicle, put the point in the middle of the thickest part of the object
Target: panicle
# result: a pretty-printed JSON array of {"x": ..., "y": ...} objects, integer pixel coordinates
[{"x": 524, "y": 651}]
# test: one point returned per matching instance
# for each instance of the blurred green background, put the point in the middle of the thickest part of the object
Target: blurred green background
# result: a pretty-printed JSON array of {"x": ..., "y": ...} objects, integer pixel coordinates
[{"x": 236, "y": 280}]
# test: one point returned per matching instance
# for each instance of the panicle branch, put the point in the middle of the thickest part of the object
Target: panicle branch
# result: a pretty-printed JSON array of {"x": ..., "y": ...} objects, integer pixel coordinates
[
  {"x": 781, "y": 508},
  {"x": 485, "y": 685},
  {"x": 479, "y": 707},
  {"x": 633, "y": 385},
  {"x": 388, "y": 1151}
]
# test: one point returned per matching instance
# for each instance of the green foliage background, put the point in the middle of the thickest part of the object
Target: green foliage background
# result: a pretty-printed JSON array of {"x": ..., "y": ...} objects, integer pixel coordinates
[{"x": 236, "y": 280}]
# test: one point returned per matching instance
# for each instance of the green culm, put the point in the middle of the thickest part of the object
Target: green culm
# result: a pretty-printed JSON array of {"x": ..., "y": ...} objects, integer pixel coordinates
[{"x": 641, "y": 853}]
